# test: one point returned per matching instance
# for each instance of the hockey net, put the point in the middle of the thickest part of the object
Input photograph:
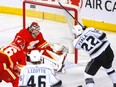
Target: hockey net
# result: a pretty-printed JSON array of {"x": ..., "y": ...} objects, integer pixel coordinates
[{"x": 54, "y": 22}]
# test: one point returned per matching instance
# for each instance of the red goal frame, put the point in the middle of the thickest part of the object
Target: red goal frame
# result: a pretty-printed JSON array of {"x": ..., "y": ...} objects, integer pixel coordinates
[{"x": 54, "y": 6}]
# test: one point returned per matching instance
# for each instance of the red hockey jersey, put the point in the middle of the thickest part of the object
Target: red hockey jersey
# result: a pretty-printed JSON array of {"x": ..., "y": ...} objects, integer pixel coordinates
[
  {"x": 33, "y": 43},
  {"x": 12, "y": 55}
]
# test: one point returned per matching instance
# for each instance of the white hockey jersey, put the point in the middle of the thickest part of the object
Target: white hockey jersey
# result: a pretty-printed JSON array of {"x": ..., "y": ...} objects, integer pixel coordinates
[
  {"x": 37, "y": 76},
  {"x": 89, "y": 41}
]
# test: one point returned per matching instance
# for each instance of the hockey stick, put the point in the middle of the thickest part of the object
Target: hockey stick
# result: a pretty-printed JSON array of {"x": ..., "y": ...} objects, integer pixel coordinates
[{"x": 83, "y": 27}]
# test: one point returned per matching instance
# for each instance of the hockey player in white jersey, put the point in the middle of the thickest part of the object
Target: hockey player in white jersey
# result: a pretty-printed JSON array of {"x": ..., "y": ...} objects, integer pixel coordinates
[
  {"x": 37, "y": 74},
  {"x": 98, "y": 47}
]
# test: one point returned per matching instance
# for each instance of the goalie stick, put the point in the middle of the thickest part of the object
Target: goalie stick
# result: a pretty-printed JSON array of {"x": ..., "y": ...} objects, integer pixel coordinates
[{"x": 83, "y": 27}]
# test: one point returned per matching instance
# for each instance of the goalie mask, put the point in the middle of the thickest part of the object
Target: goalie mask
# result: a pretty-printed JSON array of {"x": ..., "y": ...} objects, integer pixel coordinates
[
  {"x": 35, "y": 56},
  {"x": 19, "y": 41},
  {"x": 34, "y": 29},
  {"x": 77, "y": 30}
]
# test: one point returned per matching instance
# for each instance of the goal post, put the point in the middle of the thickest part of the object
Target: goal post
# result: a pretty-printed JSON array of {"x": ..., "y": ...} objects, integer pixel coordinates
[{"x": 38, "y": 10}]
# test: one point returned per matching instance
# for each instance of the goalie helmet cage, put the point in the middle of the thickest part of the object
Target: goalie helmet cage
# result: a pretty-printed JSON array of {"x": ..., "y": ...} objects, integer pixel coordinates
[{"x": 51, "y": 6}]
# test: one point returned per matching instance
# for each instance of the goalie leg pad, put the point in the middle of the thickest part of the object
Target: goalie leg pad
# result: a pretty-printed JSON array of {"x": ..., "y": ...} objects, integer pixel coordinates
[{"x": 57, "y": 65}]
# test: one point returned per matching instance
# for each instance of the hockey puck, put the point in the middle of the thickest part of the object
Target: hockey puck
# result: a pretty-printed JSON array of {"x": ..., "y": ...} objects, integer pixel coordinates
[{"x": 80, "y": 86}]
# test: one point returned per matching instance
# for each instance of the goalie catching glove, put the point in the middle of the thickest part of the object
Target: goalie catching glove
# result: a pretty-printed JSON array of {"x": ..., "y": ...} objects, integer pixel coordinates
[{"x": 59, "y": 49}]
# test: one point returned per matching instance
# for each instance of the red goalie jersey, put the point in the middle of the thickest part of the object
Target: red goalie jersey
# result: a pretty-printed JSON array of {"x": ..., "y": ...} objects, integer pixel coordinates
[
  {"x": 33, "y": 43},
  {"x": 34, "y": 39}
]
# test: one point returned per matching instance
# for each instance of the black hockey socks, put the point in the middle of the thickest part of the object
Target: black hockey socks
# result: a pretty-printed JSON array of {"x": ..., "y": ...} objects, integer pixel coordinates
[
  {"x": 89, "y": 82},
  {"x": 112, "y": 75}
]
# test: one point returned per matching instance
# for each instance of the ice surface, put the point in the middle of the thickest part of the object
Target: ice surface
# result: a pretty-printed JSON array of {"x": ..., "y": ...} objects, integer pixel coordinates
[{"x": 10, "y": 25}]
